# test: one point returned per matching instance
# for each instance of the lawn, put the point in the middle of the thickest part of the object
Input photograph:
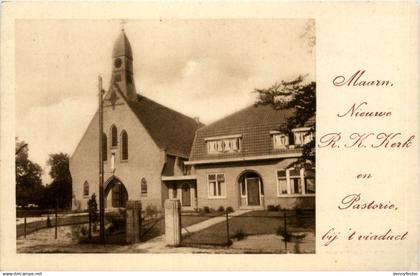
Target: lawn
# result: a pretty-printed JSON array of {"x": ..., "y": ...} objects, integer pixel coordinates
[{"x": 253, "y": 223}]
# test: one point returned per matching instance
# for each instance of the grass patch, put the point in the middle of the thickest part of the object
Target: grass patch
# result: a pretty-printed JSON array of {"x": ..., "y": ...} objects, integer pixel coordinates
[{"x": 253, "y": 223}]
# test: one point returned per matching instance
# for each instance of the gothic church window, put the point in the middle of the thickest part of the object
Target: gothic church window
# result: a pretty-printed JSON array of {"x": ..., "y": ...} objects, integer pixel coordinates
[
  {"x": 114, "y": 136},
  {"x": 124, "y": 147},
  {"x": 86, "y": 189}
]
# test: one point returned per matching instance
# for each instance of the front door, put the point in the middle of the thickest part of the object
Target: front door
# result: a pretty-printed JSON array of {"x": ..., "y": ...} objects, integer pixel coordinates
[
  {"x": 253, "y": 190},
  {"x": 186, "y": 195}
]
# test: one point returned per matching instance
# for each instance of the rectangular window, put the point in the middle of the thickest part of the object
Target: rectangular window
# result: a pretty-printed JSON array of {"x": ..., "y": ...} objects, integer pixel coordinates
[
  {"x": 216, "y": 184},
  {"x": 280, "y": 141},
  {"x": 302, "y": 137},
  {"x": 224, "y": 145},
  {"x": 296, "y": 182},
  {"x": 282, "y": 182}
]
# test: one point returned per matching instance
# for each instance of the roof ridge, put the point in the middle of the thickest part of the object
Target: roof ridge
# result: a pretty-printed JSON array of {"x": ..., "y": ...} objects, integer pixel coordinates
[
  {"x": 228, "y": 116},
  {"x": 139, "y": 97}
]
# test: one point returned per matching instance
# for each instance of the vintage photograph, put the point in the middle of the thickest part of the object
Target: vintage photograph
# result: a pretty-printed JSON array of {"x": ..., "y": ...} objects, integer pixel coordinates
[{"x": 165, "y": 136}]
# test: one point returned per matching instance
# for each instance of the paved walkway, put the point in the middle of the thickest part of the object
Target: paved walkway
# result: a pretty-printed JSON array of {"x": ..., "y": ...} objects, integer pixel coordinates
[
  {"x": 210, "y": 222},
  {"x": 158, "y": 245}
]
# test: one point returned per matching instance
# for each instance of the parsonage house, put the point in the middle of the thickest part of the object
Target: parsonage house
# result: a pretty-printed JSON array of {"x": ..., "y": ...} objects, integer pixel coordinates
[{"x": 152, "y": 153}]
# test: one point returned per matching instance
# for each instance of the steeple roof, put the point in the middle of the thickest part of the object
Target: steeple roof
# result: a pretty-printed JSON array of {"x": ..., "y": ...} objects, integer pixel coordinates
[{"x": 122, "y": 47}]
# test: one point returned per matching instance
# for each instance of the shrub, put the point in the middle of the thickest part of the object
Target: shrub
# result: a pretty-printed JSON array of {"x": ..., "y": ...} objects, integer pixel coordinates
[
  {"x": 229, "y": 209},
  {"x": 221, "y": 209},
  {"x": 93, "y": 209},
  {"x": 206, "y": 209},
  {"x": 273, "y": 207},
  {"x": 299, "y": 212},
  {"x": 212, "y": 210},
  {"x": 239, "y": 235}
]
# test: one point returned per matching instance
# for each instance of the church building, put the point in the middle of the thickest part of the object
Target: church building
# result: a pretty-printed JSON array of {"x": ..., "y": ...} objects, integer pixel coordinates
[
  {"x": 152, "y": 153},
  {"x": 143, "y": 141}
]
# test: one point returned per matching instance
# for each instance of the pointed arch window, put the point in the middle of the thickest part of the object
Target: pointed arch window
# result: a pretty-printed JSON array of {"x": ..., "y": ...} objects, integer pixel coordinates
[
  {"x": 86, "y": 189},
  {"x": 114, "y": 136},
  {"x": 124, "y": 148},
  {"x": 104, "y": 147}
]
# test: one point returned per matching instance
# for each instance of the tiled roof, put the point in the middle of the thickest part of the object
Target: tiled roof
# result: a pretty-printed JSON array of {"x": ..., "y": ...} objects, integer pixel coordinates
[
  {"x": 171, "y": 130},
  {"x": 254, "y": 123}
]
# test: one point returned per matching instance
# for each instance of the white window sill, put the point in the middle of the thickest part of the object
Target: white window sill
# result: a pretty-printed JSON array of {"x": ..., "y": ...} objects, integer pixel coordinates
[
  {"x": 216, "y": 197},
  {"x": 297, "y": 195}
]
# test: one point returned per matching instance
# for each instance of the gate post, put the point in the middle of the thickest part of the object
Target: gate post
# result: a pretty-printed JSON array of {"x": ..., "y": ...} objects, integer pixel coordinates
[
  {"x": 172, "y": 222},
  {"x": 133, "y": 210}
]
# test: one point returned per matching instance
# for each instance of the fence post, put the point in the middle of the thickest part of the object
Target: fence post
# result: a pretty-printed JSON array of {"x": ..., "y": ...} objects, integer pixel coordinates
[
  {"x": 285, "y": 231},
  {"x": 173, "y": 222},
  {"x": 133, "y": 221},
  {"x": 56, "y": 219},
  {"x": 227, "y": 228},
  {"x": 24, "y": 228}
]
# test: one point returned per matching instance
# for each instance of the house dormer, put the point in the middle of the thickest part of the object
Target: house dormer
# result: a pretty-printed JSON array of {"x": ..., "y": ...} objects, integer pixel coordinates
[
  {"x": 224, "y": 144},
  {"x": 302, "y": 135},
  {"x": 298, "y": 137}
]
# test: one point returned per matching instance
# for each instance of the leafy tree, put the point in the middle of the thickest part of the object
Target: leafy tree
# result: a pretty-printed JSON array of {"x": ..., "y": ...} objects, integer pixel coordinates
[
  {"x": 301, "y": 97},
  {"x": 60, "y": 188},
  {"x": 29, "y": 187}
]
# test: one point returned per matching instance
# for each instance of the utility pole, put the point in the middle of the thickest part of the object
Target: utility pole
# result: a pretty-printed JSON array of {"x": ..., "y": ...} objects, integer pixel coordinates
[{"x": 101, "y": 165}]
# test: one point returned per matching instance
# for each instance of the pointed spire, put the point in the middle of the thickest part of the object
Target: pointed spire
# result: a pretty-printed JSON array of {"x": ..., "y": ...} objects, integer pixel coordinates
[{"x": 122, "y": 46}]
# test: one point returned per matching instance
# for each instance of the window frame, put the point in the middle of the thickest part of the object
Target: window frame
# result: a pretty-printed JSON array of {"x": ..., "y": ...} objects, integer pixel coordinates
[
  {"x": 278, "y": 186},
  {"x": 217, "y": 139},
  {"x": 112, "y": 146},
  {"x": 122, "y": 159},
  {"x": 222, "y": 189},
  {"x": 278, "y": 133},
  {"x": 303, "y": 133},
  {"x": 288, "y": 183},
  {"x": 88, "y": 189}
]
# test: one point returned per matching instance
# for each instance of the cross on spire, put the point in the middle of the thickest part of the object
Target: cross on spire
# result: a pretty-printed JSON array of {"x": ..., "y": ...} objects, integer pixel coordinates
[{"x": 122, "y": 23}]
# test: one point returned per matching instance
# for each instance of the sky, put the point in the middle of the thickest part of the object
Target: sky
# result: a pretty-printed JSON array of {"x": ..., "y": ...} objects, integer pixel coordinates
[{"x": 202, "y": 68}]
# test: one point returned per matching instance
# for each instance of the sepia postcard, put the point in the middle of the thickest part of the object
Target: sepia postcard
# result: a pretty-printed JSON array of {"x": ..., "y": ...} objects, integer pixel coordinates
[{"x": 209, "y": 136}]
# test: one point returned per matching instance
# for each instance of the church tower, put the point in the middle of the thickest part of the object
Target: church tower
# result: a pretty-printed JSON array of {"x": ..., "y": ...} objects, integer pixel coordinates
[{"x": 122, "y": 68}]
